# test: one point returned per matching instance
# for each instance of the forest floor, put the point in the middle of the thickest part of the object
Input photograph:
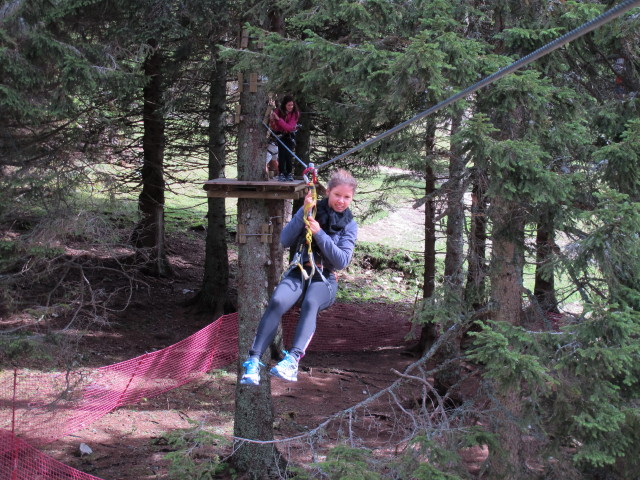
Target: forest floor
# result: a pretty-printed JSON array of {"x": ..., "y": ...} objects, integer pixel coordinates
[{"x": 132, "y": 443}]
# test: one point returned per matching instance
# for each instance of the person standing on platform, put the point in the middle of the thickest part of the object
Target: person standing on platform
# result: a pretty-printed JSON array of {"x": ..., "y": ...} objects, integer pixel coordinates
[{"x": 284, "y": 123}]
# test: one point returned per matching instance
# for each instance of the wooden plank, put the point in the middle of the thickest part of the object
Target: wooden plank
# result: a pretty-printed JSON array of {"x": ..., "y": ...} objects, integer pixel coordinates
[
  {"x": 244, "y": 39},
  {"x": 228, "y": 183},
  {"x": 255, "y": 182},
  {"x": 267, "y": 233},
  {"x": 229, "y": 188},
  {"x": 253, "y": 82},
  {"x": 240, "y": 83},
  {"x": 250, "y": 194},
  {"x": 271, "y": 184},
  {"x": 240, "y": 233}
]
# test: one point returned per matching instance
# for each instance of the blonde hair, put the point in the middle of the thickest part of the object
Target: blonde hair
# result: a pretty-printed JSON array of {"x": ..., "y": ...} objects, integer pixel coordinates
[{"x": 342, "y": 177}]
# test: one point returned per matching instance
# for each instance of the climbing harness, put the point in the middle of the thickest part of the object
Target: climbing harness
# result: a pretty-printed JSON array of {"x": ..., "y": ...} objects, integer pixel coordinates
[{"x": 309, "y": 211}]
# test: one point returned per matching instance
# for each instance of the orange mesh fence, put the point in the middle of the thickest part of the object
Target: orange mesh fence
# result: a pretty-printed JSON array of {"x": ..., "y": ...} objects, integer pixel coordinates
[{"x": 40, "y": 407}]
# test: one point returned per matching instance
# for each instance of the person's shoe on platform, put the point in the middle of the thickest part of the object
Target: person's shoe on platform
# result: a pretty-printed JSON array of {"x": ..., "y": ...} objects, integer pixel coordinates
[
  {"x": 282, "y": 177},
  {"x": 290, "y": 177},
  {"x": 286, "y": 369},
  {"x": 251, "y": 372}
]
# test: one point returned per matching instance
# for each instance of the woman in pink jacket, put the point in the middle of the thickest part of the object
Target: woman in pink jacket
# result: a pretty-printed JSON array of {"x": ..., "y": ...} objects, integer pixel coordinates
[{"x": 284, "y": 122}]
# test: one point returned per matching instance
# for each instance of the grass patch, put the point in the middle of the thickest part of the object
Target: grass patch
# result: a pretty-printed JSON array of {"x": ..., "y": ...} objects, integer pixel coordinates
[
  {"x": 22, "y": 347},
  {"x": 379, "y": 257},
  {"x": 382, "y": 274},
  {"x": 193, "y": 454}
]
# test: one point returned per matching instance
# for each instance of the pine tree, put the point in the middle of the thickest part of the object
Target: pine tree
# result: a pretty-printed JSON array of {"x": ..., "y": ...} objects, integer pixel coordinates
[
  {"x": 523, "y": 164},
  {"x": 54, "y": 81}
]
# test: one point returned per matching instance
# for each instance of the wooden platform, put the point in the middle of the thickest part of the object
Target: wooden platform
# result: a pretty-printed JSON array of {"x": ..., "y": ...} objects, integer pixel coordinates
[{"x": 269, "y": 189}]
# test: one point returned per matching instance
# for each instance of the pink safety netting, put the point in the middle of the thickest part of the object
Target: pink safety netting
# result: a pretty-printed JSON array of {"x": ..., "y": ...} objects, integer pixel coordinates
[
  {"x": 21, "y": 461},
  {"x": 40, "y": 407}
]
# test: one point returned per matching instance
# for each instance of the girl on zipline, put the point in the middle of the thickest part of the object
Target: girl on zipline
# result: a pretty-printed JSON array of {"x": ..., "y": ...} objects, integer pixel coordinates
[
  {"x": 284, "y": 122},
  {"x": 334, "y": 233}
]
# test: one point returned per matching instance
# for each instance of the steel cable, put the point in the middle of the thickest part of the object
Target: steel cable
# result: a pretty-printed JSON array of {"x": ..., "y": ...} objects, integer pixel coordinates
[{"x": 533, "y": 56}]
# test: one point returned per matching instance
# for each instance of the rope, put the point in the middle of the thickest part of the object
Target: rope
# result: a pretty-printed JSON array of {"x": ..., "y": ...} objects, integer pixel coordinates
[
  {"x": 310, "y": 211},
  {"x": 549, "y": 47}
]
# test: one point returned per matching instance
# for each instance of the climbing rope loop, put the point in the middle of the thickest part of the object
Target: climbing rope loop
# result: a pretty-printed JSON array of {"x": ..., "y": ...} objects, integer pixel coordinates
[{"x": 311, "y": 178}]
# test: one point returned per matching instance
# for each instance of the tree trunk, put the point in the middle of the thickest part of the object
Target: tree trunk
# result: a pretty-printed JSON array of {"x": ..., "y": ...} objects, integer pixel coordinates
[
  {"x": 280, "y": 211},
  {"x": 303, "y": 137},
  {"x": 279, "y": 215},
  {"x": 507, "y": 260},
  {"x": 453, "y": 260},
  {"x": 475, "y": 289},
  {"x": 213, "y": 295},
  {"x": 429, "y": 331},
  {"x": 253, "y": 407},
  {"x": 254, "y": 411},
  {"x": 454, "y": 257},
  {"x": 544, "y": 287},
  {"x": 507, "y": 263},
  {"x": 149, "y": 233}
]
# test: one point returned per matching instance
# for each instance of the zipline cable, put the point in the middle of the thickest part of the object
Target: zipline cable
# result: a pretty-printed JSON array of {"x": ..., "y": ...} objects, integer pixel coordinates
[{"x": 542, "y": 51}]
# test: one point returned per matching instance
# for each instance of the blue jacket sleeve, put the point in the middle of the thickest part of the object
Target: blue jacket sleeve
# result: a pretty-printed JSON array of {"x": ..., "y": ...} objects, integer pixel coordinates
[
  {"x": 293, "y": 229},
  {"x": 337, "y": 249}
]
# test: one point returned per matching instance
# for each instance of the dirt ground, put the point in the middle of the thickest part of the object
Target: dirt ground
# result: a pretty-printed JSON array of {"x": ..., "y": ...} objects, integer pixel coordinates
[{"x": 131, "y": 443}]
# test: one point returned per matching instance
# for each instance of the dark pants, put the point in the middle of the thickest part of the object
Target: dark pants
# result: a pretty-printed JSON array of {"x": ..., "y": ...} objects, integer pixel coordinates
[
  {"x": 317, "y": 296},
  {"x": 285, "y": 159}
]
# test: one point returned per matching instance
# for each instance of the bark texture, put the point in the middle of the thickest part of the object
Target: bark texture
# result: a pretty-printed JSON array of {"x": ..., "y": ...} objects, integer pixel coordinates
[
  {"x": 213, "y": 296},
  {"x": 148, "y": 235},
  {"x": 506, "y": 292},
  {"x": 254, "y": 411},
  {"x": 454, "y": 257},
  {"x": 544, "y": 288},
  {"x": 429, "y": 331},
  {"x": 475, "y": 289}
]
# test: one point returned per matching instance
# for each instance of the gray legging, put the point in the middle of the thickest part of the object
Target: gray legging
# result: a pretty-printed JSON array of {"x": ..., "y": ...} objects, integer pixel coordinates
[{"x": 317, "y": 296}]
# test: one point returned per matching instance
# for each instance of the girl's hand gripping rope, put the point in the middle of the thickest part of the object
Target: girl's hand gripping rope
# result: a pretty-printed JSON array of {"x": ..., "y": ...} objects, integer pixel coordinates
[
  {"x": 310, "y": 210},
  {"x": 310, "y": 201}
]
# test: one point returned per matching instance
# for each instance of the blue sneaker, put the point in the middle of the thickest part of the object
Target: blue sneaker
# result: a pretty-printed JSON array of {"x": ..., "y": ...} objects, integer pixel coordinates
[
  {"x": 287, "y": 369},
  {"x": 251, "y": 372}
]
